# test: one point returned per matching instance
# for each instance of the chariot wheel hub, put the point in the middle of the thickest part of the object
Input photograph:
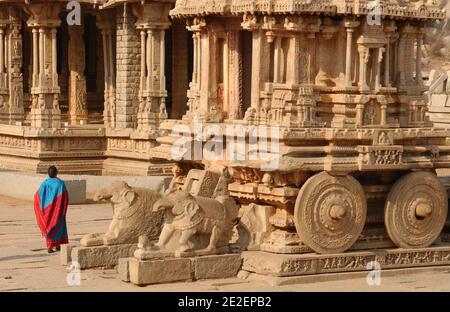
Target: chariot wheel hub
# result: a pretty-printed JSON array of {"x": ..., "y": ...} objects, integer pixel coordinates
[
  {"x": 337, "y": 212},
  {"x": 423, "y": 210}
]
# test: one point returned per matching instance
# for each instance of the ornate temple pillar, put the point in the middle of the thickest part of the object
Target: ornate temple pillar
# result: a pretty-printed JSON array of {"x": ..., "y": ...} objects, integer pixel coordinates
[
  {"x": 203, "y": 89},
  {"x": 14, "y": 66},
  {"x": 277, "y": 60},
  {"x": 77, "y": 81},
  {"x": 44, "y": 19},
  {"x": 387, "y": 61},
  {"x": 152, "y": 82},
  {"x": 106, "y": 25},
  {"x": 11, "y": 80},
  {"x": 378, "y": 60},
  {"x": 408, "y": 36},
  {"x": 4, "y": 87},
  {"x": 350, "y": 28},
  {"x": 419, "y": 78},
  {"x": 364, "y": 56},
  {"x": 128, "y": 69},
  {"x": 260, "y": 63},
  {"x": 232, "y": 72}
]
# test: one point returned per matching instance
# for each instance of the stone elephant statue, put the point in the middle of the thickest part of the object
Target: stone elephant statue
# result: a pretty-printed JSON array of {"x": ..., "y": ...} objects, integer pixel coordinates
[
  {"x": 196, "y": 215},
  {"x": 132, "y": 215}
]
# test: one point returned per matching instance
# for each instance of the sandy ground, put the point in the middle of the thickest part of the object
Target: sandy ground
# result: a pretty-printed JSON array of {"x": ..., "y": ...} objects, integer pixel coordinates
[{"x": 26, "y": 266}]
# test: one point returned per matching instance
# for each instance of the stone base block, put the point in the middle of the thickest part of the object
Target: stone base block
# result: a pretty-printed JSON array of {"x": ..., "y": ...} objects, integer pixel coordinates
[
  {"x": 144, "y": 272},
  {"x": 66, "y": 254},
  {"x": 329, "y": 277},
  {"x": 212, "y": 267},
  {"x": 306, "y": 264},
  {"x": 124, "y": 269},
  {"x": 98, "y": 256}
]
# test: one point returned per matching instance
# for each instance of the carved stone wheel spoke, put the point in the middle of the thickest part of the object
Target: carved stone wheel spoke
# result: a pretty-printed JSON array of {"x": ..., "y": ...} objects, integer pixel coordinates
[
  {"x": 416, "y": 210},
  {"x": 330, "y": 212}
]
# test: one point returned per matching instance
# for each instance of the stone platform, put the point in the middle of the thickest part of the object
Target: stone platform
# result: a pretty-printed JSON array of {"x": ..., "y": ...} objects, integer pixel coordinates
[
  {"x": 98, "y": 256},
  {"x": 155, "y": 271},
  {"x": 283, "y": 265}
]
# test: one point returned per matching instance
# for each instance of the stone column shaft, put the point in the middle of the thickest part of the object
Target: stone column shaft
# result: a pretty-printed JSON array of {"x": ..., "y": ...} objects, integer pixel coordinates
[
  {"x": 194, "y": 71},
  {"x": 35, "y": 57},
  {"x": 277, "y": 60},
  {"x": 143, "y": 60},
  {"x": 419, "y": 60},
  {"x": 41, "y": 56},
  {"x": 162, "y": 66},
  {"x": 2, "y": 51},
  {"x": 378, "y": 61},
  {"x": 387, "y": 69},
  {"x": 348, "y": 58}
]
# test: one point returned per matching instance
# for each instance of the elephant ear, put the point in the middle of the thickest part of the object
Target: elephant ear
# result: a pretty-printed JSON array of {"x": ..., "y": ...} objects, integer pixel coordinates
[
  {"x": 130, "y": 196},
  {"x": 191, "y": 208}
]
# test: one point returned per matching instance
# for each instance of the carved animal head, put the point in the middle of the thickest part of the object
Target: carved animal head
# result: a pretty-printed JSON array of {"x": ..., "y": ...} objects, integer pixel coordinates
[
  {"x": 118, "y": 193},
  {"x": 179, "y": 202}
]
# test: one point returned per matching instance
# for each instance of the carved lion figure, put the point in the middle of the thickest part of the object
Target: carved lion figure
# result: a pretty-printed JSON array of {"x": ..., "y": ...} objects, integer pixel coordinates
[
  {"x": 196, "y": 215},
  {"x": 132, "y": 215}
]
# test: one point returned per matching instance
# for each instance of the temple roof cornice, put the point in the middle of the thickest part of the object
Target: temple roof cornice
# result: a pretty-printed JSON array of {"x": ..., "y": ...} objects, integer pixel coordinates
[{"x": 417, "y": 9}]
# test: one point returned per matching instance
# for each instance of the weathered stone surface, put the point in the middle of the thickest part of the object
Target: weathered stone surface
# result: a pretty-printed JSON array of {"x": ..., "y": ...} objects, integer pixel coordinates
[
  {"x": 143, "y": 272},
  {"x": 294, "y": 265},
  {"x": 66, "y": 254},
  {"x": 102, "y": 256},
  {"x": 123, "y": 268},
  {"x": 217, "y": 266},
  {"x": 160, "y": 271}
]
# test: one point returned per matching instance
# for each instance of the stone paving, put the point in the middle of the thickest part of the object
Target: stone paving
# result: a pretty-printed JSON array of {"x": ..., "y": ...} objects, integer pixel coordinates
[{"x": 26, "y": 266}]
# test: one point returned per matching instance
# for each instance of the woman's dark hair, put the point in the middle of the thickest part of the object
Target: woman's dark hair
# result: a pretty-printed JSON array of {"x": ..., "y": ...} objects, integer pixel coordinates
[{"x": 52, "y": 172}]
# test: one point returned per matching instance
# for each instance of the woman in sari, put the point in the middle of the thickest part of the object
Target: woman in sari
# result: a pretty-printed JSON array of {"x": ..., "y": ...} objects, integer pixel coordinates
[{"x": 50, "y": 206}]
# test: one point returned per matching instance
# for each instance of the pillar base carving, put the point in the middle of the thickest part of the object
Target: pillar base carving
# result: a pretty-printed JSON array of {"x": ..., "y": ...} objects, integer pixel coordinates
[{"x": 45, "y": 118}]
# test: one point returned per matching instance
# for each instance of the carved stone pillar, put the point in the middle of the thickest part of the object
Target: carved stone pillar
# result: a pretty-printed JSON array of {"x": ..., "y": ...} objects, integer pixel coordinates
[
  {"x": 152, "y": 87},
  {"x": 364, "y": 56},
  {"x": 106, "y": 25},
  {"x": 350, "y": 27},
  {"x": 387, "y": 61},
  {"x": 406, "y": 64},
  {"x": 203, "y": 94},
  {"x": 260, "y": 63},
  {"x": 233, "y": 98},
  {"x": 77, "y": 86},
  {"x": 14, "y": 66},
  {"x": 419, "y": 78},
  {"x": 4, "y": 89},
  {"x": 378, "y": 61},
  {"x": 44, "y": 19}
]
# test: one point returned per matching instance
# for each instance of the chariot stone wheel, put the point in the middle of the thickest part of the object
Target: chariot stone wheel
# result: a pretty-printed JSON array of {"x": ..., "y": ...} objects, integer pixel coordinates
[
  {"x": 416, "y": 210},
  {"x": 330, "y": 212}
]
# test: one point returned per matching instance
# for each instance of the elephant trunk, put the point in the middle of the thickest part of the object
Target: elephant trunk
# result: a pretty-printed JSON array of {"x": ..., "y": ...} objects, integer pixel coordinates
[
  {"x": 101, "y": 196},
  {"x": 163, "y": 204}
]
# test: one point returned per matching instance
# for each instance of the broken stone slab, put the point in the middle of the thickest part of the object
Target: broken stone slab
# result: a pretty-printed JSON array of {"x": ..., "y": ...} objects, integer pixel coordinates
[
  {"x": 265, "y": 263},
  {"x": 96, "y": 256},
  {"x": 155, "y": 271},
  {"x": 66, "y": 254},
  {"x": 123, "y": 269}
]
